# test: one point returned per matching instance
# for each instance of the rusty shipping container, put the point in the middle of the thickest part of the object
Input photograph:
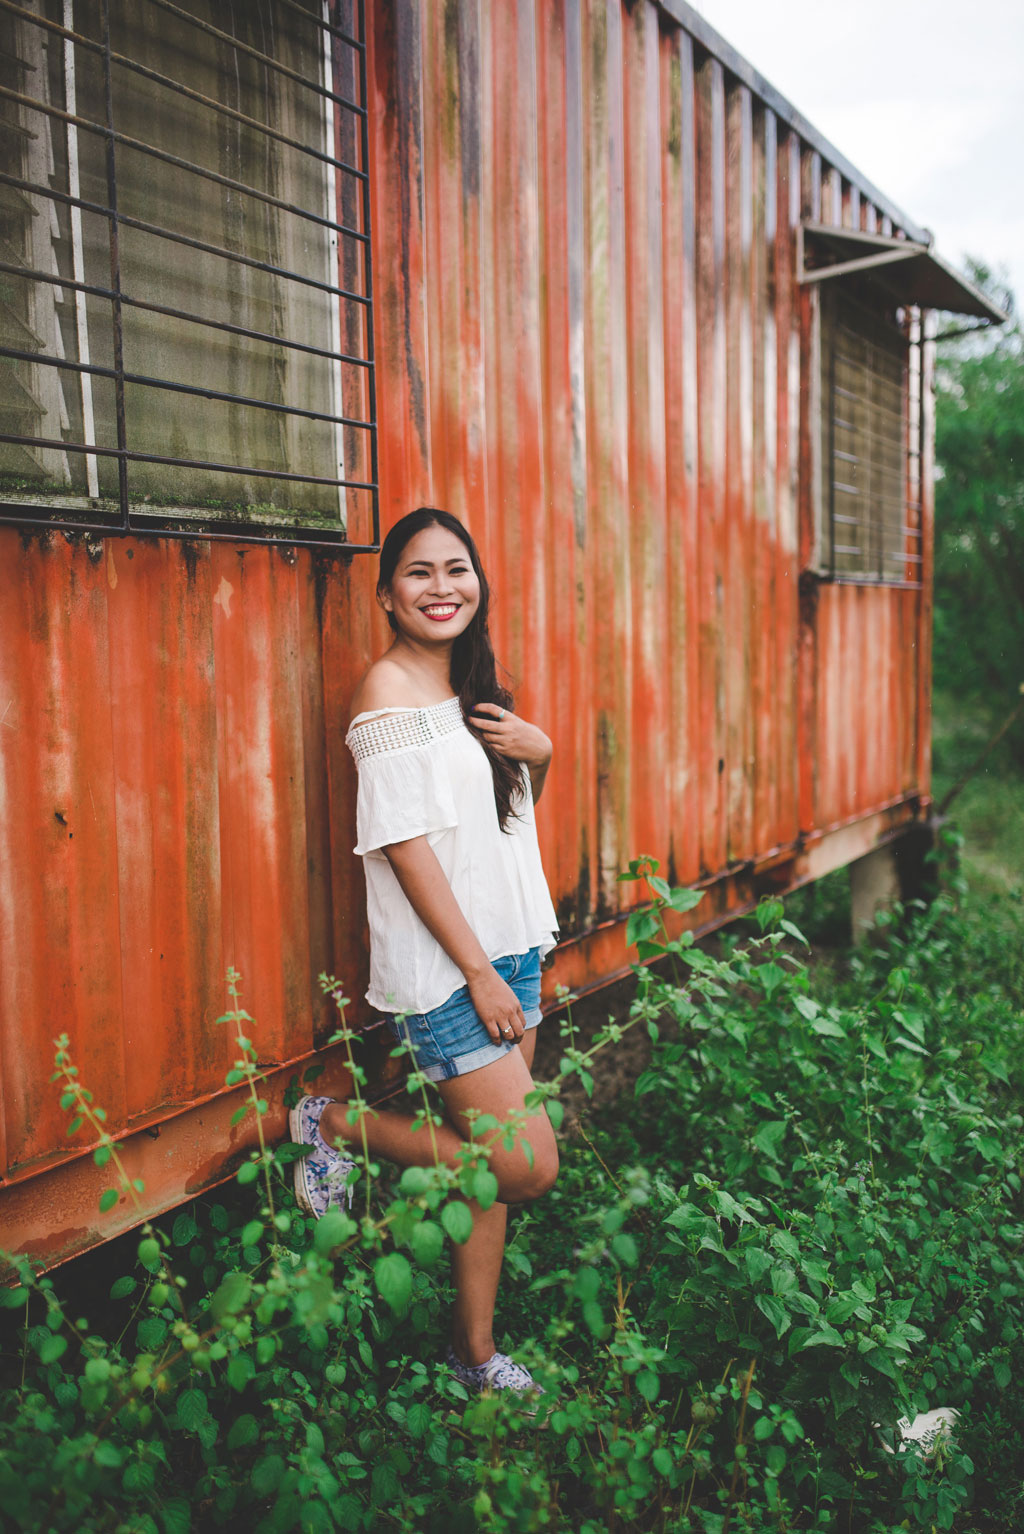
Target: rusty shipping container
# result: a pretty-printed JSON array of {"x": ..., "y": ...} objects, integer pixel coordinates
[{"x": 630, "y": 317}]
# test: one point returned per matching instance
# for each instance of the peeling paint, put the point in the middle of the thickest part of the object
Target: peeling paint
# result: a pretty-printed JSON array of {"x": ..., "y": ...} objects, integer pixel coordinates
[{"x": 225, "y": 591}]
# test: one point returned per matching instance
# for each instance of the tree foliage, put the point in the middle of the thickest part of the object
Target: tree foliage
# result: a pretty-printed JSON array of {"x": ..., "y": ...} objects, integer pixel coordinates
[{"x": 979, "y": 518}]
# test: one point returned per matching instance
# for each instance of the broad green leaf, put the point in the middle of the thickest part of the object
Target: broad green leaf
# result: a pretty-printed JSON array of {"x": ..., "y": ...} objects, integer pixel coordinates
[
  {"x": 266, "y": 1474},
  {"x": 192, "y": 1408},
  {"x": 52, "y": 1347},
  {"x": 176, "y": 1516},
  {"x": 418, "y": 1419},
  {"x": 757, "y": 1261},
  {"x": 827, "y": 1028},
  {"x": 648, "y": 1384},
  {"x": 824, "y": 1336},
  {"x": 122, "y": 1287},
  {"x": 149, "y": 1253},
  {"x": 427, "y": 1242},
  {"x": 785, "y": 1243},
  {"x": 244, "y": 1430},
  {"x": 485, "y": 1187},
  {"x": 642, "y": 924},
  {"x": 457, "y": 1221},
  {"x": 393, "y": 1278},
  {"x": 730, "y": 1209},
  {"x": 184, "y": 1230},
  {"x": 776, "y": 1312},
  {"x": 624, "y": 1247},
  {"x": 231, "y": 1296},
  {"x": 769, "y": 977},
  {"x": 240, "y": 1371},
  {"x": 769, "y": 1136},
  {"x": 332, "y": 1231}
]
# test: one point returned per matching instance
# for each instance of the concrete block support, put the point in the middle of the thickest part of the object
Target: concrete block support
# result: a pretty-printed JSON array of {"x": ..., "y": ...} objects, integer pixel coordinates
[
  {"x": 900, "y": 870},
  {"x": 874, "y": 886}
]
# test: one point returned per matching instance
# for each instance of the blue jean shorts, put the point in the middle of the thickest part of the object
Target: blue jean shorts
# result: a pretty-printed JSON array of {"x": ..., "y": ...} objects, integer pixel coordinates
[{"x": 451, "y": 1040}]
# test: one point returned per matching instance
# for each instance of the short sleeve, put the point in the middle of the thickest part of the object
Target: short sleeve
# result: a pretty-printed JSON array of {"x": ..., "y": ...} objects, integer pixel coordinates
[{"x": 401, "y": 795}]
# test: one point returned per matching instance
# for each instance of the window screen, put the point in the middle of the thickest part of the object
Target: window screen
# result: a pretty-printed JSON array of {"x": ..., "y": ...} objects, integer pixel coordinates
[
  {"x": 185, "y": 282},
  {"x": 871, "y": 512}
]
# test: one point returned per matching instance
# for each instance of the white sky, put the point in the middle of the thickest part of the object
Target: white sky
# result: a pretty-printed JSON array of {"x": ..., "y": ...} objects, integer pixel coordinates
[{"x": 925, "y": 99}]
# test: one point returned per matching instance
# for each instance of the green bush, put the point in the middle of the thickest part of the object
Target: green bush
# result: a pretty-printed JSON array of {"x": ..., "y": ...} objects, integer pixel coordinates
[{"x": 807, "y": 1221}]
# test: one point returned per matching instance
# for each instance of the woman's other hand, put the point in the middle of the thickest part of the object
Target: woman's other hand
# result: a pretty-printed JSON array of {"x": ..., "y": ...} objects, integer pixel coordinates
[
  {"x": 514, "y": 737},
  {"x": 497, "y": 1006}
]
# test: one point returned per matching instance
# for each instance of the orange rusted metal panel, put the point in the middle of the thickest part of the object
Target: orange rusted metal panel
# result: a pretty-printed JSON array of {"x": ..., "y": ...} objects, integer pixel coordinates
[{"x": 591, "y": 344}]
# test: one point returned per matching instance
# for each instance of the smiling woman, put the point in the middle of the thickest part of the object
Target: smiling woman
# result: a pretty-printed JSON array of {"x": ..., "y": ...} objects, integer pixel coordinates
[{"x": 459, "y": 910}]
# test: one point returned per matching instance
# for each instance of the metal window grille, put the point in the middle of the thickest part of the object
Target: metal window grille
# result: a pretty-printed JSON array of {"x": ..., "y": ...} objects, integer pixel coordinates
[
  {"x": 186, "y": 327},
  {"x": 871, "y": 458}
]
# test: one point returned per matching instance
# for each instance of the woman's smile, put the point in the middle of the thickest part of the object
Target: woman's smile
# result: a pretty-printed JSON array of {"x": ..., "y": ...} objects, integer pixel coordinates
[{"x": 433, "y": 587}]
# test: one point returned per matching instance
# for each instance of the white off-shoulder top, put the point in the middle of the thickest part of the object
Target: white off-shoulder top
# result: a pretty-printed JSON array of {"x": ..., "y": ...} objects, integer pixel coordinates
[{"x": 422, "y": 772}]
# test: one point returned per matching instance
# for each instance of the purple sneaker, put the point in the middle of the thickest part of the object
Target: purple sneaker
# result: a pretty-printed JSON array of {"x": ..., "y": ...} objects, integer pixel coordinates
[
  {"x": 497, "y": 1373},
  {"x": 321, "y": 1178}
]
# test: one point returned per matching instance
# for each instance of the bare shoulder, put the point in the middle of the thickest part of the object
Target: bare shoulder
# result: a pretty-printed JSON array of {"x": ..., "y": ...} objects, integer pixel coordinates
[{"x": 385, "y": 685}]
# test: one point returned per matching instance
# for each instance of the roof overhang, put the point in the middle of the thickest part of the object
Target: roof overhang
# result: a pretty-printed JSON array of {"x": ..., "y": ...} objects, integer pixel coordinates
[{"x": 911, "y": 273}]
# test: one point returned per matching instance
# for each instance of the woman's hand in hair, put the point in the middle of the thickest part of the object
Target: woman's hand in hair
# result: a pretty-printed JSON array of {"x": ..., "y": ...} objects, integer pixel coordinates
[{"x": 516, "y": 738}]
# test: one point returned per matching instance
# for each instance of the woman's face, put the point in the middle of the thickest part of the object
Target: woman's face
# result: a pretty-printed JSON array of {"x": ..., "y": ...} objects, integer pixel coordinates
[{"x": 434, "y": 592}]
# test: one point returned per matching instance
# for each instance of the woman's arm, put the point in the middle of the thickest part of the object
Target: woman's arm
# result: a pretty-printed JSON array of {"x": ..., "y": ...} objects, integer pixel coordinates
[
  {"x": 516, "y": 738},
  {"x": 427, "y": 890}
]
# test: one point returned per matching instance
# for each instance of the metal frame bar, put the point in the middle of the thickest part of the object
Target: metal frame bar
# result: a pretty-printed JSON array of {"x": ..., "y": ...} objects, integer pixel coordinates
[
  {"x": 102, "y": 210},
  {"x": 97, "y": 370},
  {"x": 261, "y": 58},
  {"x": 129, "y": 455},
  {"x": 181, "y": 314},
  {"x": 146, "y": 73},
  {"x": 130, "y": 518},
  {"x": 194, "y": 169},
  {"x": 78, "y": 256}
]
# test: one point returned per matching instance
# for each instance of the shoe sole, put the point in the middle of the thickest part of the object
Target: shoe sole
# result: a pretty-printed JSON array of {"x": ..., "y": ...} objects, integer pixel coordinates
[{"x": 299, "y": 1174}]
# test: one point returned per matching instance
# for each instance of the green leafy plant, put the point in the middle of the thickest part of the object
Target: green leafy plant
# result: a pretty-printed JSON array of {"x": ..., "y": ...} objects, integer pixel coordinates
[{"x": 804, "y": 1222}]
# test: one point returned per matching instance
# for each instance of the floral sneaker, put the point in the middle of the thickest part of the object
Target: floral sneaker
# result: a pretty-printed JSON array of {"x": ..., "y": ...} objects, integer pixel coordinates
[
  {"x": 321, "y": 1178},
  {"x": 498, "y": 1373}
]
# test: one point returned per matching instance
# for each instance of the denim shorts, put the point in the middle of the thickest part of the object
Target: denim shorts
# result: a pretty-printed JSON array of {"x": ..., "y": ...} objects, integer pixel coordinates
[{"x": 451, "y": 1040}]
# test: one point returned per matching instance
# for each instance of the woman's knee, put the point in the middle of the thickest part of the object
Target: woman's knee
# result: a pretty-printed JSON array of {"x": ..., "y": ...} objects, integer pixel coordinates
[{"x": 531, "y": 1177}]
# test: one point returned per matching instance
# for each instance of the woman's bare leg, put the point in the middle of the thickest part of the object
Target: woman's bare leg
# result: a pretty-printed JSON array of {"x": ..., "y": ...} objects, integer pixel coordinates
[
  {"x": 476, "y": 1265},
  {"x": 392, "y": 1136},
  {"x": 498, "y": 1089}
]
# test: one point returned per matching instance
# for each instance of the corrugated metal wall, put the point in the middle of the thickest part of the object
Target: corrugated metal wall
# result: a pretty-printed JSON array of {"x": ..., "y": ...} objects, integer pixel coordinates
[
  {"x": 587, "y": 283},
  {"x": 591, "y": 347}
]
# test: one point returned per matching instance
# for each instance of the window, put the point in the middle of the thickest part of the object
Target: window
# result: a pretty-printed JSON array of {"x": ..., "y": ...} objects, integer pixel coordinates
[
  {"x": 185, "y": 282},
  {"x": 870, "y": 451}
]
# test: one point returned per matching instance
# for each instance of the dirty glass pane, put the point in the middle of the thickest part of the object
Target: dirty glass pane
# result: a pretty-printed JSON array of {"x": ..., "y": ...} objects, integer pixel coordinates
[{"x": 240, "y": 332}]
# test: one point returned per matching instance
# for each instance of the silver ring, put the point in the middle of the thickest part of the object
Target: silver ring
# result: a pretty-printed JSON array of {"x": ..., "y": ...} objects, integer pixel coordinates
[
  {"x": 508, "y": 1028},
  {"x": 501, "y": 715}
]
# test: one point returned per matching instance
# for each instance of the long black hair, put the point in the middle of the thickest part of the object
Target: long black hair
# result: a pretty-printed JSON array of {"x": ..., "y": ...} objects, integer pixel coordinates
[{"x": 474, "y": 670}]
